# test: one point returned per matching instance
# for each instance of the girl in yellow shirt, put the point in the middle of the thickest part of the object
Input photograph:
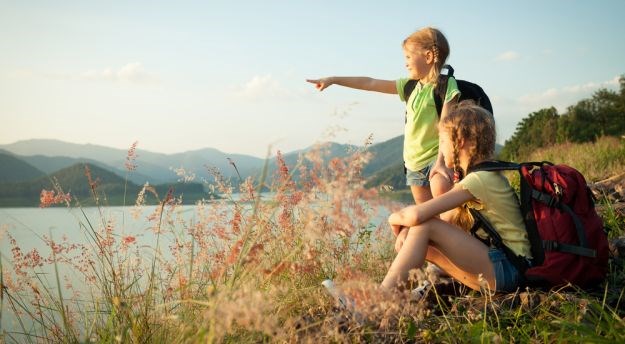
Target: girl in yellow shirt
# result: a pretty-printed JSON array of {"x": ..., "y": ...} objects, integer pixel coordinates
[{"x": 467, "y": 137}]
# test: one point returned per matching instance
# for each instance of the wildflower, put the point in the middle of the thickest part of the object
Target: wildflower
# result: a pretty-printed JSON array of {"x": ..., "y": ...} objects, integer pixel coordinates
[
  {"x": 131, "y": 157},
  {"x": 48, "y": 198},
  {"x": 235, "y": 250},
  {"x": 127, "y": 240},
  {"x": 184, "y": 176},
  {"x": 369, "y": 140},
  {"x": 283, "y": 170},
  {"x": 236, "y": 221},
  {"x": 235, "y": 167},
  {"x": 92, "y": 183}
]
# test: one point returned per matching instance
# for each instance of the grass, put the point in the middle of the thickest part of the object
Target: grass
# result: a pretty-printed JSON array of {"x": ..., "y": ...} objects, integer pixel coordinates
[
  {"x": 596, "y": 160},
  {"x": 250, "y": 270}
]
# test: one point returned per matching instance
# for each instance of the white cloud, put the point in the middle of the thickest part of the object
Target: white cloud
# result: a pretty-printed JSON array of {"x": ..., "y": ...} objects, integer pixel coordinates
[
  {"x": 262, "y": 87},
  {"x": 130, "y": 73},
  {"x": 508, "y": 56},
  {"x": 568, "y": 95}
]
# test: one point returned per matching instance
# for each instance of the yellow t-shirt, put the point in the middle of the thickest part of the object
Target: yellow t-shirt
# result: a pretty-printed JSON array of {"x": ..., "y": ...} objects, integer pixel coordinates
[
  {"x": 499, "y": 204},
  {"x": 421, "y": 132}
]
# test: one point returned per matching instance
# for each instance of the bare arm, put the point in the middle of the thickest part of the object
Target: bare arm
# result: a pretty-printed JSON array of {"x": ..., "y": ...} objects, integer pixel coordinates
[
  {"x": 357, "y": 82},
  {"x": 416, "y": 214},
  {"x": 439, "y": 165},
  {"x": 446, "y": 106}
]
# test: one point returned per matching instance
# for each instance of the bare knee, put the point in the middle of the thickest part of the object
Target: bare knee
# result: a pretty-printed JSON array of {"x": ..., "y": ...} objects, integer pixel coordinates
[{"x": 420, "y": 194}]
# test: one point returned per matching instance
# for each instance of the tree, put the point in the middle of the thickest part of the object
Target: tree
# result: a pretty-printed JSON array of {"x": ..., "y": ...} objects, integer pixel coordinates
[
  {"x": 602, "y": 114},
  {"x": 537, "y": 130}
]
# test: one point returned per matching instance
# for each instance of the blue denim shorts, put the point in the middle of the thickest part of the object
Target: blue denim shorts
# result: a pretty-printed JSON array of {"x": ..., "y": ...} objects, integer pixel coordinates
[
  {"x": 507, "y": 277},
  {"x": 420, "y": 177}
]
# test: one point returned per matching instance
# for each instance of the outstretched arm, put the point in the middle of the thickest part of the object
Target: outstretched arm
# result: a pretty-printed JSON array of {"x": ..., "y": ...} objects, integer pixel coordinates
[
  {"x": 416, "y": 214},
  {"x": 357, "y": 82}
]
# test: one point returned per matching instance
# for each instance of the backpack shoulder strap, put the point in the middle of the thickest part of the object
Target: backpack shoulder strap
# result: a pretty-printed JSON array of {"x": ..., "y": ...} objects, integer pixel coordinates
[
  {"x": 495, "y": 165},
  {"x": 409, "y": 87},
  {"x": 440, "y": 91},
  {"x": 525, "y": 202},
  {"x": 521, "y": 263}
]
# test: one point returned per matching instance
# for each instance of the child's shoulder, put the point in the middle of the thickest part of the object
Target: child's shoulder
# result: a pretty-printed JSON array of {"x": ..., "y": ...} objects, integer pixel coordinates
[{"x": 486, "y": 178}]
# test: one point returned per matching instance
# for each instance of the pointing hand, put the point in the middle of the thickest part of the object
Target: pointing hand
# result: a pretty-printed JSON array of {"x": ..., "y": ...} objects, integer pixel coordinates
[{"x": 320, "y": 84}]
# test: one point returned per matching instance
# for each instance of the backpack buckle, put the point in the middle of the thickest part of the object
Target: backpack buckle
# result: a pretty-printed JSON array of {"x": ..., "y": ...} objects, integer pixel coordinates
[
  {"x": 553, "y": 202},
  {"x": 557, "y": 189},
  {"x": 550, "y": 245}
]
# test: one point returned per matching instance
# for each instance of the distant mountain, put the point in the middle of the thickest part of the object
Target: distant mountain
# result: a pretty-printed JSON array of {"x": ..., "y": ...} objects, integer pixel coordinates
[
  {"x": 387, "y": 165},
  {"x": 385, "y": 154},
  {"x": 329, "y": 150},
  {"x": 110, "y": 188},
  {"x": 72, "y": 179},
  {"x": 152, "y": 167},
  {"x": 15, "y": 170},
  {"x": 51, "y": 164},
  {"x": 48, "y": 147},
  {"x": 51, "y": 155}
]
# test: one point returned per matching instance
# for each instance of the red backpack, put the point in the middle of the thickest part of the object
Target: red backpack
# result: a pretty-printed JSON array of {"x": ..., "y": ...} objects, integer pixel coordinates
[{"x": 567, "y": 237}]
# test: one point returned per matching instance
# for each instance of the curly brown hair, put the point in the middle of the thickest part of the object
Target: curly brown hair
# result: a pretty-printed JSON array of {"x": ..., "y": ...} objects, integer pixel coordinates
[{"x": 476, "y": 126}]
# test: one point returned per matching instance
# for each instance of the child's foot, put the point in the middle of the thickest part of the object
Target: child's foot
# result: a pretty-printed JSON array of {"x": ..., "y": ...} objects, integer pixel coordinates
[
  {"x": 344, "y": 302},
  {"x": 419, "y": 292},
  {"x": 434, "y": 272}
]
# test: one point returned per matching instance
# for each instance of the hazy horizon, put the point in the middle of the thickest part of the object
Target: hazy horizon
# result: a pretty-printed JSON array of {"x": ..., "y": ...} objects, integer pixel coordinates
[{"x": 178, "y": 78}]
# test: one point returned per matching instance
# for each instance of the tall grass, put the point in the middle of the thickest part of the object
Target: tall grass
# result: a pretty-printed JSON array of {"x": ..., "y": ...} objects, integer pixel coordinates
[
  {"x": 596, "y": 160},
  {"x": 249, "y": 270}
]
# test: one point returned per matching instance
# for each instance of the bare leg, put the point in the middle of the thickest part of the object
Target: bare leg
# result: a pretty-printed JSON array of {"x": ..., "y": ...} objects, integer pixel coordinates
[
  {"x": 420, "y": 193},
  {"x": 437, "y": 257},
  {"x": 463, "y": 256}
]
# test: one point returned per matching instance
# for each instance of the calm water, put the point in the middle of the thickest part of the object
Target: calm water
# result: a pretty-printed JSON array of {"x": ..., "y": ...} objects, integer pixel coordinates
[{"x": 29, "y": 225}]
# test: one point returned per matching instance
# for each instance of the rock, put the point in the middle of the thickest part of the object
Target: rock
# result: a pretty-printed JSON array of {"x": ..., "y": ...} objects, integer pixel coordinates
[{"x": 617, "y": 247}]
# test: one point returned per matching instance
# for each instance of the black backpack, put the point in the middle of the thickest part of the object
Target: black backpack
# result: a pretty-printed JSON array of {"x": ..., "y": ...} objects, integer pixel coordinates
[{"x": 468, "y": 90}]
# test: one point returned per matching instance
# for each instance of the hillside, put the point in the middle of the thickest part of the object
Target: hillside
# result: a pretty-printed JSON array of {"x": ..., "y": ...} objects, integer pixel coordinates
[
  {"x": 51, "y": 164},
  {"x": 110, "y": 188},
  {"x": 387, "y": 166},
  {"x": 15, "y": 170},
  {"x": 52, "y": 155},
  {"x": 69, "y": 171},
  {"x": 385, "y": 154}
]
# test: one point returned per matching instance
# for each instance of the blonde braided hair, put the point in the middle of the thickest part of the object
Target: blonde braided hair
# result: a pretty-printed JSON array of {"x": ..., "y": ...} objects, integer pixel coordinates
[
  {"x": 476, "y": 126},
  {"x": 431, "y": 39}
]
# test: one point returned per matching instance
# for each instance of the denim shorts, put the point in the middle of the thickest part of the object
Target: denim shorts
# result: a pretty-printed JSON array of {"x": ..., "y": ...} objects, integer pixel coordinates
[
  {"x": 507, "y": 277},
  {"x": 420, "y": 177}
]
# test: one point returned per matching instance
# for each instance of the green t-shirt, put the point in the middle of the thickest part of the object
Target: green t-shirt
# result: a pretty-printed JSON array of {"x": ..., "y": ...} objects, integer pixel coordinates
[
  {"x": 498, "y": 203},
  {"x": 420, "y": 132}
]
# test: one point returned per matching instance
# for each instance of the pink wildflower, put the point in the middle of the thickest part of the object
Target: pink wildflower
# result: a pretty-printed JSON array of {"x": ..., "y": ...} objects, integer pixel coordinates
[
  {"x": 283, "y": 170},
  {"x": 127, "y": 240},
  {"x": 131, "y": 157},
  {"x": 48, "y": 198},
  {"x": 92, "y": 183}
]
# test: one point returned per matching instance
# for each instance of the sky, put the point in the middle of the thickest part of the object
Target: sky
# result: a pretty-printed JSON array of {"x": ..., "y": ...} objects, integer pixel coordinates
[{"x": 230, "y": 75}]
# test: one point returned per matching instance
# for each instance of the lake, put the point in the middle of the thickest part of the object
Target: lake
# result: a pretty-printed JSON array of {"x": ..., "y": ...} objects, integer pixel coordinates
[{"x": 29, "y": 227}]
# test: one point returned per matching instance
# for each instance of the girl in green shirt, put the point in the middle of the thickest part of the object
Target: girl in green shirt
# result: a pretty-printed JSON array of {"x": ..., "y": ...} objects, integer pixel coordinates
[{"x": 425, "y": 52}]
